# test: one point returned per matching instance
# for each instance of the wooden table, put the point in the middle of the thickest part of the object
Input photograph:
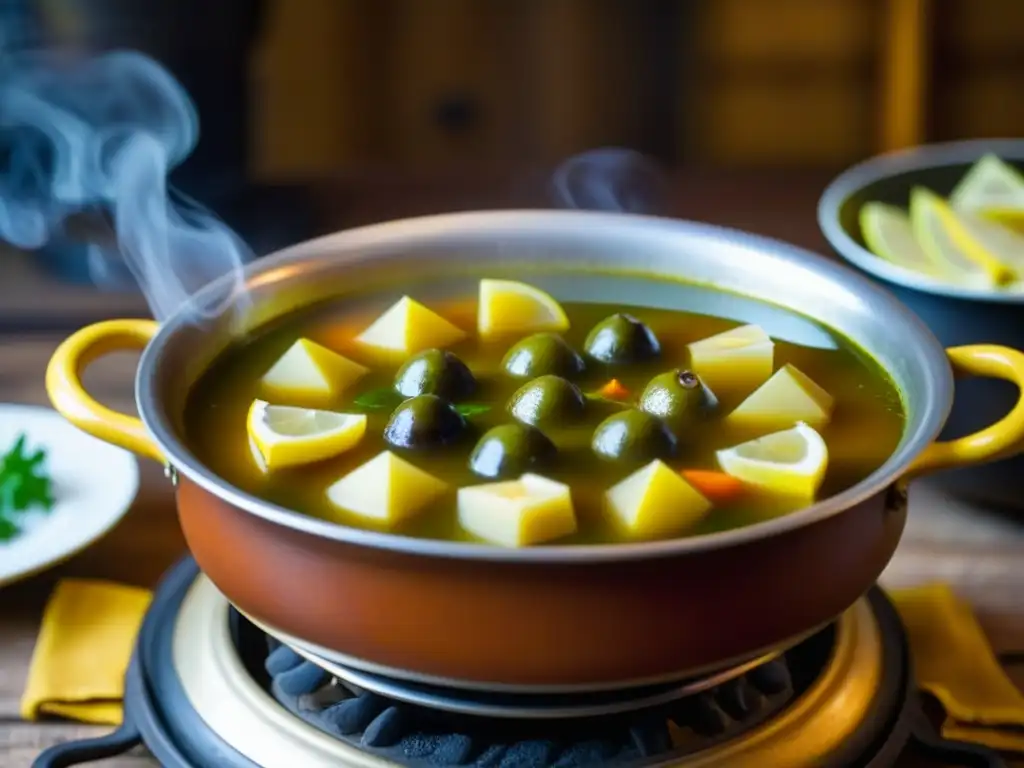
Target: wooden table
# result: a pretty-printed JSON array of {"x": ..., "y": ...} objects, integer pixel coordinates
[{"x": 978, "y": 552}]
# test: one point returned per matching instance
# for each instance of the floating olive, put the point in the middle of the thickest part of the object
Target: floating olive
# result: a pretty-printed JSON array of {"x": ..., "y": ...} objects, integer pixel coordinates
[
  {"x": 541, "y": 354},
  {"x": 509, "y": 450},
  {"x": 435, "y": 372},
  {"x": 679, "y": 397},
  {"x": 424, "y": 421},
  {"x": 621, "y": 338},
  {"x": 633, "y": 436},
  {"x": 547, "y": 400}
]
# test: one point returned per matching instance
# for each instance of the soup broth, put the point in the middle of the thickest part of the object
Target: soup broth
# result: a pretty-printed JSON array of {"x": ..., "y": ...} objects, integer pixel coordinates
[{"x": 853, "y": 405}]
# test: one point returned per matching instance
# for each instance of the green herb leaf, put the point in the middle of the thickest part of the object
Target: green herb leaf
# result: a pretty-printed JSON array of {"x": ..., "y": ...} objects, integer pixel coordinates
[
  {"x": 472, "y": 409},
  {"x": 24, "y": 485},
  {"x": 378, "y": 399}
]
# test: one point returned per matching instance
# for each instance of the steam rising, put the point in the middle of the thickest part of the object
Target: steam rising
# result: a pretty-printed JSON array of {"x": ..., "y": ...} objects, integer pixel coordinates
[
  {"x": 609, "y": 179},
  {"x": 100, "y": 135}
]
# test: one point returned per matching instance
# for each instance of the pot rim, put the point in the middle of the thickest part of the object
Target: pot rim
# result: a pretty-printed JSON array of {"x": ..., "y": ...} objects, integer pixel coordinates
[
  {"x": 881, "y": 167},
  {"x": 937, "y": 398}
]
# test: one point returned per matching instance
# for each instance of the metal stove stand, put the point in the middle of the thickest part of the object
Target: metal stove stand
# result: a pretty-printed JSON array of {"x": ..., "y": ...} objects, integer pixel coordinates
[{"x": 159, "y": 715}]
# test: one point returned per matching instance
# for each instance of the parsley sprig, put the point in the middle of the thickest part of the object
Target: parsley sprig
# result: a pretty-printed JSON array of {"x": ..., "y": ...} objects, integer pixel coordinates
[{"x": 25, "y": 485}]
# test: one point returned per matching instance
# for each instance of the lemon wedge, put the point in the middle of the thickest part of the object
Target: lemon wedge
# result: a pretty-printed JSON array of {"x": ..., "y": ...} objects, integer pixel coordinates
[
  {"x": 888, "y": 234},
  {"x": 257, "y": 458},
  {"x": 408, "y": 327},
  {"x": 992, "y": 189},
  {"x": 308, "y": 369},
  {"x": 790, "y": 463},
  {"x": 937, "y": 230},
  {"x": 507, "y": 307},
  {"x": 386, "y": 490},
  {"x": 286, "y": 436},
  {"x": 517, "y": 513}
]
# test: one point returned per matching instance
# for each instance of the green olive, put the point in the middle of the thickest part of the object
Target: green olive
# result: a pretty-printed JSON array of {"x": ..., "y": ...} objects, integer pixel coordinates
[
  {"x": 509, "y": 450},
  {"x": 548, "y": 400},
  {"x": 621, "y": 338},
  {"x": 633, "y": 436},
  {"x": 435, "y": 372},
  {"x": 678, "y": 397},
  {"x": 541, "y": 354},
  {"x": 424, "y": 421}
]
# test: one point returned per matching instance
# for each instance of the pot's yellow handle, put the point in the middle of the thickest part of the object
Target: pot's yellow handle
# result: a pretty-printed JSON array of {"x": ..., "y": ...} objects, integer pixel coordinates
[
  {"x": 1002, "y": 439},
  {"x": 68, "y": 395}
]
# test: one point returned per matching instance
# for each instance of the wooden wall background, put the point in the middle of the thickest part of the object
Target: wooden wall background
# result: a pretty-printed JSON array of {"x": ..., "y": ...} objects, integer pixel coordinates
[{"x": 424, "y": 84}]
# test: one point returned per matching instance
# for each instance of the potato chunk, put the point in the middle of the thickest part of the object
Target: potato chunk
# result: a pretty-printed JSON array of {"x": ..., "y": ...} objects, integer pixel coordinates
[
  {"x": 655, "y": 503},
  {"x": 517, "y": 513},
  {"x": 386, "y": 490},
  {"x": 409, "y": 327},
  {"x": 786, "y": 398},
  {"x": 308, "y": 370},
  {"x": 738, "y": 360}
]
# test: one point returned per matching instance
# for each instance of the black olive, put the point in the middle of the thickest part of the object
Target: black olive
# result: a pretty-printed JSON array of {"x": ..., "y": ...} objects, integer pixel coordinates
[
  {"x": 435, "y": 372},
  {"x": 540, "y": 354},
  {"x": 620, "y": 339},
  {"x": 509, "y": 450},
  {"x": 678, "y": 397},
  {"x": 548, "y": 400},
  {"x": 424, "y": 421},
  {"x": 633, "y": 436}
]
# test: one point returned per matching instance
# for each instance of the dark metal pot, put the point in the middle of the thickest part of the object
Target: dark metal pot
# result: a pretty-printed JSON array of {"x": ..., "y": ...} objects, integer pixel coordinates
[
  {"x": 955, "y": 315},
  {"x": 558, "y": 617}
]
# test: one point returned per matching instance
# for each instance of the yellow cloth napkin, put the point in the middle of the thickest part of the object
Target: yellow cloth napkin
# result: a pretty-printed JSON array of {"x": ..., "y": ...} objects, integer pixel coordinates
[
  {"x": 82, "y": 653},
  {"x": 954, "y": 663},
  {"x": 89, "y": 629}
]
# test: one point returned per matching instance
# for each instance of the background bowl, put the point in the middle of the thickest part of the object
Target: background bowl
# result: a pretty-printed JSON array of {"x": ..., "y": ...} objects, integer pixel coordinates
[{"x": 955, "y": 315}]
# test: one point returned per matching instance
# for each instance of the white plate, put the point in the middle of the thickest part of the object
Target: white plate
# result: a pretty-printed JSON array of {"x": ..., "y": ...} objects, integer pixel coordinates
[{"x": 94, "y": 484}]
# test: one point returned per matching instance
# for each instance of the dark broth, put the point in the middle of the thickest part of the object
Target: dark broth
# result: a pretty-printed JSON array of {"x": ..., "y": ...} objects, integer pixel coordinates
[{"x": 866, "y": 426}]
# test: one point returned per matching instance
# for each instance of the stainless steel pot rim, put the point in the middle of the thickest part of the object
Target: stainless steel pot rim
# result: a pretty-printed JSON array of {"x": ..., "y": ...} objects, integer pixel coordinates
[
  {"x": 936, "y": 406},
  {"x": 533, "y": 706},
  {"x": 354, "y": 669},
  {"x": 883, "y": 166}
]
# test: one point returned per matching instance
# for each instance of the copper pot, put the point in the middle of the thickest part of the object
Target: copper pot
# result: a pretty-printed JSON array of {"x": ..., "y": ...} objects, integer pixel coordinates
[{"x": 558, "y": 617}]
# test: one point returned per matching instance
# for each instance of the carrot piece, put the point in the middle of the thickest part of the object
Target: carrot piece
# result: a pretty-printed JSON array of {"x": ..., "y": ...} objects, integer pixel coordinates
[
  {"x": 614, "y": 390},
  {"x": 716, "y": 487}
]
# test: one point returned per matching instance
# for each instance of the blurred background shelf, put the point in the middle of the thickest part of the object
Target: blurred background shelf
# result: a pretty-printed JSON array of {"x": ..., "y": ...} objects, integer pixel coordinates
[
  {"x": 323, "y": 114},
  {"x": 401, "y": 83}
]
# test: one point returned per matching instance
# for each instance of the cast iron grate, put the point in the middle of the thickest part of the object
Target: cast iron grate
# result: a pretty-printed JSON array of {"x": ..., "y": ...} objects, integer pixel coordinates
[{"x": 414, "y": 735}]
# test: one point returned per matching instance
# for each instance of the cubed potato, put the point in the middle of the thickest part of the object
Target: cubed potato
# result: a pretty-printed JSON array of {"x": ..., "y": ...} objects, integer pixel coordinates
[
  {"x": 409, "y": 327},
  {"x": 655, "y": 502},
  {"x": 309, "y": 370},
  {"x": 788, "y": 397},
  {"x": 517, "y": 513},
  {"x": 386, "y": 490},
  {"x": 739, "y": 360}
]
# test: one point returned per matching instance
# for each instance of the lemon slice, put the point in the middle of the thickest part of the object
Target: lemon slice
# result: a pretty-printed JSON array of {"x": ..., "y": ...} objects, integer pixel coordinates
[
  {"x": 286, "y": 436},
  {"x": 993, "y": 189},
  {"x": 985, "y": 238},
  {"x": 933, "y": 223},
  {"x": 508, "y": 307},
  {"x": 888, "y": 235},
  {"x": 790, "y": 463}
]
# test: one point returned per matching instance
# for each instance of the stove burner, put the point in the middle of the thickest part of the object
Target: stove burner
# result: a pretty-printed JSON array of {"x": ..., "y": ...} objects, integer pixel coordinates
[
  {"x": 770, "y": 671},
  {"x": 208, "y": 689},
  {"x": 407, "y": 733}
]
